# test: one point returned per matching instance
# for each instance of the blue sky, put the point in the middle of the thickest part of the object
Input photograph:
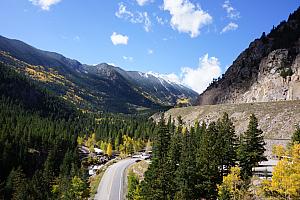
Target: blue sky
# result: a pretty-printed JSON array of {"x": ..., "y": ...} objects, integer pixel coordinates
[{"x": 189, "y": 41}]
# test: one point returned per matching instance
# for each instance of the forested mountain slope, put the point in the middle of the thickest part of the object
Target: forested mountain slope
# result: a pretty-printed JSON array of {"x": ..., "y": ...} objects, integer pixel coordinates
[
  {"x": 38, "y": 135},
  {"x": 95, "y": 88},
  {"x": 39, "y": 140}
]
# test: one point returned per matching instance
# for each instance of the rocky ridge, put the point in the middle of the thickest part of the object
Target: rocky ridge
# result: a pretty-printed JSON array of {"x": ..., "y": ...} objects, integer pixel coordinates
[{"x": 268, "y": 70}]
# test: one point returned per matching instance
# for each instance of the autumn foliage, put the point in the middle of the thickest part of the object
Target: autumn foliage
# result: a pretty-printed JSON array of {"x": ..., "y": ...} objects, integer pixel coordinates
[{"x": 285, "y": 183}]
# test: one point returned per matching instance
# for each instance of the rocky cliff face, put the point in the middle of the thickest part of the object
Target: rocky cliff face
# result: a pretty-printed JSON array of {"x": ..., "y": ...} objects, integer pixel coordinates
[
  {"x": 268, "y": 70},
  {"x": 270, "y": 85}
]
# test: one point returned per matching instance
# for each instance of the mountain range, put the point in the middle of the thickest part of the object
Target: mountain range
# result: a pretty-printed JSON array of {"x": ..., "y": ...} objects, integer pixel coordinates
[{"x": 101, "y": 87}]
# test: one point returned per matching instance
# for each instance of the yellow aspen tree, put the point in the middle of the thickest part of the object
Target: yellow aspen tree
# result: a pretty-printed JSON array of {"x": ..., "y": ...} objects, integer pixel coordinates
[
  {"x": 184, "y": 130},
  {"x": 91, "y": 141},
  {"x": 231, "y": 185},
  {"x": 80, "y": 140},
  {"x": 286, "y": 176},
  {"x": 109, "y": 150},
  {"x": 278, "y": 151}
]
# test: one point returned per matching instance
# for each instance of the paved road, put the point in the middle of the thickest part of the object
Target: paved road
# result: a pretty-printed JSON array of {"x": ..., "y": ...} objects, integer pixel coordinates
[{"x": 111, "y": 185}]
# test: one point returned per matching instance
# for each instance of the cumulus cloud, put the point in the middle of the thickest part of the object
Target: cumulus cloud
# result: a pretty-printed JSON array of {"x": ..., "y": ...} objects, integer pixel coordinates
[
  {"x": 229, "y": 27},
  {"x": 44, "y": 4},
  {"x": 172, "y": 78},
  {"x": 134, "y": 17},
  {"x": 186, "y": 17},
  {"x": 143, "y": 2},
  {"x": 117, "y": 39},
  {"x": 197, "y": 78},
  {"x": 232, "y": 13}
]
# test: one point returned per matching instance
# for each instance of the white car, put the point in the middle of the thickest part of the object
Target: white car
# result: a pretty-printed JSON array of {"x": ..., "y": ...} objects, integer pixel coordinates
[{"x": 145, "y": 156}]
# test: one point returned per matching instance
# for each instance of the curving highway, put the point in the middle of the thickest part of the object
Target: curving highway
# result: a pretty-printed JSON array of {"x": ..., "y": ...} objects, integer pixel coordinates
[{"x": 111, "y": 185}]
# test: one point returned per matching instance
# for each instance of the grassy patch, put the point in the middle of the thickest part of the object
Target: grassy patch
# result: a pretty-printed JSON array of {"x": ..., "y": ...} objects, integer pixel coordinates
[
  {"x": 94, "y": 183},
  {"x": 139, "y": 168}
]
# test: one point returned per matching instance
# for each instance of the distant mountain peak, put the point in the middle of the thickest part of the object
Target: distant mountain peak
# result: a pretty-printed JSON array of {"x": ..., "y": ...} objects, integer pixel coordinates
[{"x": 170, "y": 78}]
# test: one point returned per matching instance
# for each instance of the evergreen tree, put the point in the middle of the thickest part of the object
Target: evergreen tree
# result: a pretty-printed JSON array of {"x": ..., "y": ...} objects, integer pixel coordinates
[
  {"x": 228, "y": 143},
  {"x": 174, "y": 155},
  {"x": 48, "y": 172},
  {"x": 208, "y": 162},
  {"x": 251, "y": 149},
  {"x": 296, "y": 135},
  {"x": 133, "y": 183},
  {"x": 38, "y": 186},
  {"x": 186, "y": 175},
  {"x": 156, "y": 184},
  {"x": 16, "y": 185}
]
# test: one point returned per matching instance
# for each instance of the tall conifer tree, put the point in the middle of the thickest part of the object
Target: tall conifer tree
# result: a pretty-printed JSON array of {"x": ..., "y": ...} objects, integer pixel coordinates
[
  {"x": 156, "y": 185},
  {"x": 251, "y": 150}
]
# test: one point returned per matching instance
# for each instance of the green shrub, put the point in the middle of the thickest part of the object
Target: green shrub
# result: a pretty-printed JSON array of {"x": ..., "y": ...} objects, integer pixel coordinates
[{"x": 286, "y": 72}]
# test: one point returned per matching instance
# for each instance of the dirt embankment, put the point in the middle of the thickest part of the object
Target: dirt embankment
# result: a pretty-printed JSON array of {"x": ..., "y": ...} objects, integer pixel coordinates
[{"x": 276, "y": 119}]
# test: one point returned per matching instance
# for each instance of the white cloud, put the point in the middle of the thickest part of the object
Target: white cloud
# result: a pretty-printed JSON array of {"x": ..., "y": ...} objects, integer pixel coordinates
[
  {"x": 161, "y": 21},
  {"x": 135, "y": 18},
  {"x": 150, "y": 51},
  {"x": 128, "y": 58},
  {"x": 229, "y": 27},
  {"x": 119, "y": 39},
  {"x": 44, "y": 4},
  {"x": 198, "y": 79},
  {"x": 186, "y": 17},
  {"x": 123, "y": 12},
  {"x": 147, "y": 22},
  {"x": 232, "y": 13},
  {"x": 143, "y": 2},
  {"x": 172, "y": 78}
]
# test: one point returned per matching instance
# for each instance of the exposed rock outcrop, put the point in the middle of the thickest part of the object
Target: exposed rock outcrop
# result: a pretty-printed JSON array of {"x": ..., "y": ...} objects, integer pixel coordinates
[
  {"x": 270, "y": 85},
  {"x": 268, "y": 70}
]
